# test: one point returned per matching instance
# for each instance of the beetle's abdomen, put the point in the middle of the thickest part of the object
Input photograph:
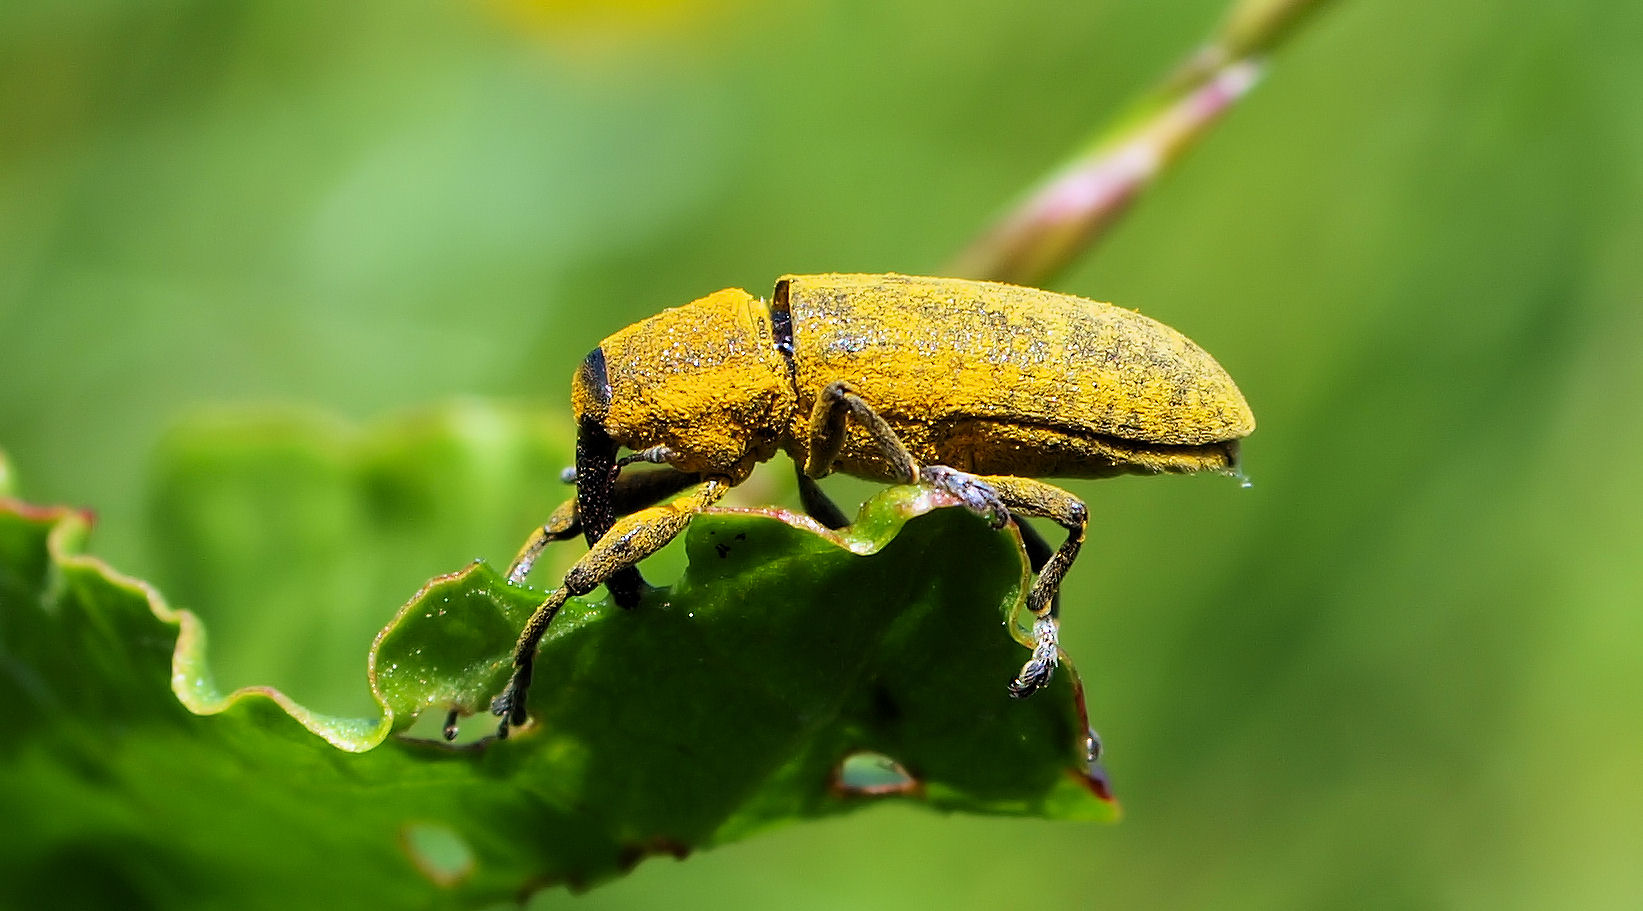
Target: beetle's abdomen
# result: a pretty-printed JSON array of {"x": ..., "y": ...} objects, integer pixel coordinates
[{"x": 985, "y": 376}]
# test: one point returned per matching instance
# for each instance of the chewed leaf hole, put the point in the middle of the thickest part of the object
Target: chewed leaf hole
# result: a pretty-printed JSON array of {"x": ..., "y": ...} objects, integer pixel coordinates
[
  {"x": 868, "y": 774},
  {"x": 438, "y": 852}
]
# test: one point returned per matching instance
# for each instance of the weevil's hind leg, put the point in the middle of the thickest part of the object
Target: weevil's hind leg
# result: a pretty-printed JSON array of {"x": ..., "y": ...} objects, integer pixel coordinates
[
  {"x": 817, "y": 504},
  {"x": 979, "y": 496},
  {"x": 1038, "y": 554},
  {"x": 630, "y": 539},
  {"x": 1027, "y": 497}
]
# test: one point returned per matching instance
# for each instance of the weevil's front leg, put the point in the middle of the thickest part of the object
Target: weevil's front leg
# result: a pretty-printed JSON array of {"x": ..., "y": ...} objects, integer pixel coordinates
[
  {"x": 1026, "y": 496},
  {"x": 564, "y": 523},
  {"x": 631, "y": 539},
  {"x": 633, "y": 490}
]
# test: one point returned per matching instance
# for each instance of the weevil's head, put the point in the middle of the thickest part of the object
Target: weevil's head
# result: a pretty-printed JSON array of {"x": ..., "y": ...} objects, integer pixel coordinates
[{"x": 705, "y": 380}]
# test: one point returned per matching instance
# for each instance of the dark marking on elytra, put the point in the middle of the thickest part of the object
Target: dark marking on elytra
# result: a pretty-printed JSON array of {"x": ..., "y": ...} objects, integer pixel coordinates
[{"x": 781, "y": 325}]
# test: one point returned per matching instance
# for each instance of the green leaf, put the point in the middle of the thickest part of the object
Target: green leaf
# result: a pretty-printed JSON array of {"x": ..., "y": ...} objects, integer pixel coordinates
[{"x": 748, "y": 694}]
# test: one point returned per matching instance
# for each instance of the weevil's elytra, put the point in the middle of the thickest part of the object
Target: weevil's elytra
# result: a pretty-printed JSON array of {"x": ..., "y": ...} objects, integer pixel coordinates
[
  {"x": 1010, "y": 380},
  {"x": 975, "y": 388}
]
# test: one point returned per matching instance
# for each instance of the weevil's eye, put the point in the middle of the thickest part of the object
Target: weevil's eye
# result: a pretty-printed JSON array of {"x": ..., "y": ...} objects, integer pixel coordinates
[{"x": 592, "y": 393}]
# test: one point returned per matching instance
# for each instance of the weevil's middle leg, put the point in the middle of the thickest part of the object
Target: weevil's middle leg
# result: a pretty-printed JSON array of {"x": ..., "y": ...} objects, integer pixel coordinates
[
  {"x": 837, "y": 402},
  {"x": 817, "y": 504},
  {"x": 632, "y": 538}
]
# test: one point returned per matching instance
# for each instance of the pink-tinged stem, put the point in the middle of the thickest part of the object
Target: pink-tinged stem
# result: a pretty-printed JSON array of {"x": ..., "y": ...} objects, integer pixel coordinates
[{"x": 1074, "y": 207}]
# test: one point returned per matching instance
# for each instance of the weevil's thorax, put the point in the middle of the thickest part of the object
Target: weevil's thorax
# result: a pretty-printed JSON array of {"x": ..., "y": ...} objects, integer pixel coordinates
[{"x": 704, "y": 380}]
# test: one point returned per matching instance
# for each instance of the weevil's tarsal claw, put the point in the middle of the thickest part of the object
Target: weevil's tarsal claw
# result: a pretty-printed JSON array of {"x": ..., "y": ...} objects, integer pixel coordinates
[
  {"x": 1034, "y": 674},
  {"x": 565, "y": 522},
  {"x": 655, "y": 455},
  {"x": 977, "y": 495},
  {"x": 1038, "y": 669},
  {"x": 510, "y": 704},
  {"x": 521, "y": 568},
  {"x": 516, "y": 703}
]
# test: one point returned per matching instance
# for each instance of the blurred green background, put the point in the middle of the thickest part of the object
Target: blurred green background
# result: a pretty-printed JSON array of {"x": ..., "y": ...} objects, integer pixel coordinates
[{"x": 1404, "y": 670}]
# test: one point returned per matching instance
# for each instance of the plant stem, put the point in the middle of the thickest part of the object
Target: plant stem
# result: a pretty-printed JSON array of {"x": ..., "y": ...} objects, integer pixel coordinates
[{"x": 1073, "y": 207}]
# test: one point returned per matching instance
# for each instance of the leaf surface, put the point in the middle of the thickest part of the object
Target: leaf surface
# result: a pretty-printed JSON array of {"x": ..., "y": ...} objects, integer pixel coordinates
[{"x": 729, "y": 702}]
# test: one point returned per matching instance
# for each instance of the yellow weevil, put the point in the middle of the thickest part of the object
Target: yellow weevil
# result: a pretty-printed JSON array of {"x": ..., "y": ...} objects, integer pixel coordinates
[{"x": 973, "y": 388}]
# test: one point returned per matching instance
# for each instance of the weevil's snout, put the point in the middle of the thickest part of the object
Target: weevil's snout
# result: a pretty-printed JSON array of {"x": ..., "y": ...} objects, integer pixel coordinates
[{"x": 1235, "y": 464}]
